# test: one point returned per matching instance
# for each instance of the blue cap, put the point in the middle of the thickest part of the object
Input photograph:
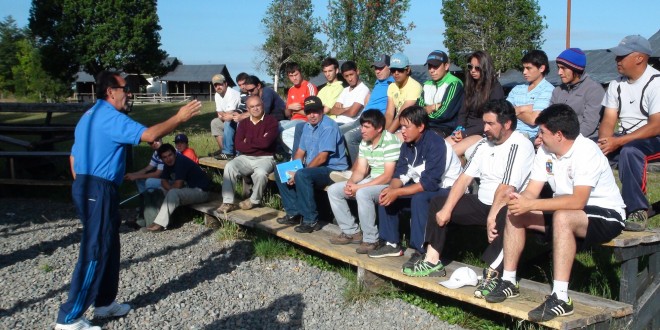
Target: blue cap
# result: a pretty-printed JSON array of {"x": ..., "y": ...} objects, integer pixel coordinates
[
  {"x": 399, "y": 61},
  {"x": 180, "y": 138}
]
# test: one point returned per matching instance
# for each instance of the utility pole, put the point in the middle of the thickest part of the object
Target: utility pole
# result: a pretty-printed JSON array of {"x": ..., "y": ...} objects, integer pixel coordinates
[{"x": 568, "y": 24}]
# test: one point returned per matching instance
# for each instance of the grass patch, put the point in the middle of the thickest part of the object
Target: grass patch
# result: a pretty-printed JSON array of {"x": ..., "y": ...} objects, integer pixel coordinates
[
  {"x": 230, "y": 231},
  {"x": 269, "y": 248},
  {"x": 46, "y": 268}
]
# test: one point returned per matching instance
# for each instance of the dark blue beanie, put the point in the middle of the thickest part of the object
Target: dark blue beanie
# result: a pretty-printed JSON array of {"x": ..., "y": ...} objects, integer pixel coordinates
[{"x": 573, "y": 58}]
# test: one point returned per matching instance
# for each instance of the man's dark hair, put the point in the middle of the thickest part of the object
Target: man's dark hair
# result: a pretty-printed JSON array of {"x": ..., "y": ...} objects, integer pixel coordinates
[
  {"x": 242, "y": 76},
  {"x": 292, "y": 67},
  {"x": 374, "y": 117},
  {"x": 328, "y": 61},
  {"x": 165, "y": 148},
  {"x": 252, "y": 80},
  {"x": 504, "y": 111},
  {"x": 537, "y": 58},
  {"x": 104, "y": 80},
  {"x": 416, "y": 115},
  {"x": 560, "y": 118},
  {"x": 348, "y": 66}
]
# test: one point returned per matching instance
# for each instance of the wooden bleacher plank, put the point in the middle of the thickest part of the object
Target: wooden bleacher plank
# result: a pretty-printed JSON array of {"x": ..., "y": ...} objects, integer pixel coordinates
[
  {"x": 220, "y": 164},
  {"x": 588, "y": 309},
  {"x": 631, "y": 238}
]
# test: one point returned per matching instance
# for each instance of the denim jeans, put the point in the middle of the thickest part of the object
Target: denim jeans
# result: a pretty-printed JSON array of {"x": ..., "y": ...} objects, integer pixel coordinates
[
  {"x": 352, "y": 137},
  {"x": 367, "y": 199},
  {"x": 299, "y": 198},
  {"x": 228, "y": 137}
]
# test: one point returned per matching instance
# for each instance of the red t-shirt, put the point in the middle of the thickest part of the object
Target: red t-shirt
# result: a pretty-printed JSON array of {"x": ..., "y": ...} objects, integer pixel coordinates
[
  {"x": 298, "y": 95},
  {"x": 190, "y": 153}
]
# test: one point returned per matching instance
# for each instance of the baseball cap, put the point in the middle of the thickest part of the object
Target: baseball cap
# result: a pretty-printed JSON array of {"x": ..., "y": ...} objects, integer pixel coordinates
[
  {"x": 632, "y": 43},
  {"x": 313, "y": 104},
  {"x": 461, "y": 277},
  {"x": 436, "y": 58},
  {"x": 218, "y": 79},
  {"x": 381, "y": 61},
  {"x": 573, "y": 58},
  {"x": 180, "y": 138},
  {"x": 399, "y": 61}
]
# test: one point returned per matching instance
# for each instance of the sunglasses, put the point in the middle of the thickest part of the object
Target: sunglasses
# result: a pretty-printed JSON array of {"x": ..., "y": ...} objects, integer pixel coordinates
[
  {"x": 397, "y": 70},
  {"x": 475, "y": 67},
  {"x": 251, "y": 90},
  {"x": 125, "y": 88}
]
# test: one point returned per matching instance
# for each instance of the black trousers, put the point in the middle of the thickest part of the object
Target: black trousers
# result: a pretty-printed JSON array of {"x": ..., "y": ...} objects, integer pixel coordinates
[{"x": 469, "y": 211}]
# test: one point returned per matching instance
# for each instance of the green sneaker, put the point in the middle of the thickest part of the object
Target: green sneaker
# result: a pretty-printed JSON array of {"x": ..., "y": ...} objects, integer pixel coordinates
[
  {"x": 424, "y": 268},
  {"x": 502, "y": 291},
  {"x": 488, "y": 283}
]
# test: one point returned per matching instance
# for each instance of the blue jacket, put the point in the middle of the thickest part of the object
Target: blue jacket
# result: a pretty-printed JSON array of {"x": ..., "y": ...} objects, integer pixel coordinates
[{"x": 423, "y": 161}]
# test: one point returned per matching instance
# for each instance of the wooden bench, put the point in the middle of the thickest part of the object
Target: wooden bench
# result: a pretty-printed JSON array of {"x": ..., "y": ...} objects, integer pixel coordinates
[
  {"x": 13, "y": 180},
  {"x": 220, "y": 165},
  {"x": 590, "y": 311}
]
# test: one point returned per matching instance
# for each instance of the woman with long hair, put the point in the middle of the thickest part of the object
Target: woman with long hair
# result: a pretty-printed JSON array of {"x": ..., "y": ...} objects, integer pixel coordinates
[{"x": 481, "y": 86}]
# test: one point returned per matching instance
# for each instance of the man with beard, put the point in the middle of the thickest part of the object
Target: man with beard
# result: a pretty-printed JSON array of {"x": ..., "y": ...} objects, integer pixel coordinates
[
  {"x": 98, "y": 166},
  {"x": 502, "y": 161}
]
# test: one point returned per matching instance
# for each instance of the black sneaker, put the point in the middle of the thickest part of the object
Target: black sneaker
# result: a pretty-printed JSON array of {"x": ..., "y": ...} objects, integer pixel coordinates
[
  {"x": 416, "y": 256},
  {"x": 488, "y": 283},
  {"x": 290, "y": 219},
  {"x": 224, "y": 156},
  {"x": 215, "y": 153},
  {"x": 637, "y": 221},
  {"x": 502, "y": 291},
  {"x": 551, "y": 308},
  {"x": 385, "y": 250},
  {"x": 308, "y": 227}
]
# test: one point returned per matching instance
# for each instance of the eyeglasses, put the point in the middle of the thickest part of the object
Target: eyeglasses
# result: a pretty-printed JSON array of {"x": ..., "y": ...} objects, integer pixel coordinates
[
  {"x": 125, "y": 88},
  {"x": 475, "y": 67},
  {"x": 251, "y": 90},
  {"x": 394, "y": 70}
]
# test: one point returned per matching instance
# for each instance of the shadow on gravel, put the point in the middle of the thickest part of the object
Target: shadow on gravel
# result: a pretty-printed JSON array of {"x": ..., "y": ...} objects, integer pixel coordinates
[
  {"x": 39, "y": 248},
  {"x": 165, "y": 251},
  {"x": 284, "y": 313},
  {"x": 220, "y": 262}
]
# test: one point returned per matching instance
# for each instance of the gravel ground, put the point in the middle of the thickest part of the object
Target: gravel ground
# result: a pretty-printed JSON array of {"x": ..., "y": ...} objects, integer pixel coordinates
[{"x": 180, "y": 279}]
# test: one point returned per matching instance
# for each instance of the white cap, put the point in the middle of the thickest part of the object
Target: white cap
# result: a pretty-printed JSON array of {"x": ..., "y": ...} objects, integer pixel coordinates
[{"x": 461, "y": 277}]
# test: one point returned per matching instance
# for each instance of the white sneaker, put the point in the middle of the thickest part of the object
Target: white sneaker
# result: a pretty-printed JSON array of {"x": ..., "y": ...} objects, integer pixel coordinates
[
  {"x": 112, "y": 310},
  {"x": 340, "y": 176},
  {"x": 80, "y": 324}
]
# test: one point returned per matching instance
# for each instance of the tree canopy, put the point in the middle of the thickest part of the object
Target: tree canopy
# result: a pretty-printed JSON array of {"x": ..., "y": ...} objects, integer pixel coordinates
[
  {"x": 291, "y": 32},
  {"x": 359, "y": 30},
  {"x": 503, "y": 28},
  {"x": 10, "y": 35},
  {"x": 97, "y": 35}
]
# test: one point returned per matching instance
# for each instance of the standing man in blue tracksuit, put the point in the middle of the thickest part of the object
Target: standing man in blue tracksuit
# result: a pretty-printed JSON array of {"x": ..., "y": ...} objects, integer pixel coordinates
[{"x": 98, "y": 166}]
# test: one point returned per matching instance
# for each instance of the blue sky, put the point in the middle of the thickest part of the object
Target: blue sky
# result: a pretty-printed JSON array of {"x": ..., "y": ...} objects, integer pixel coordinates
[{"x": 227, "y": 32}]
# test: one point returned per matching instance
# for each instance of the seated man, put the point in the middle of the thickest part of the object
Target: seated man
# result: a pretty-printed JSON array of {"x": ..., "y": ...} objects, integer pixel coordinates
[
  {"x": 424, "y": 170},
  {"x": 501, "y": 161},
  {"x": 372, "y": 171},
  {"x": 149, "y": 177},
  {"x": 256, "y": 139},
  {"x": 227, "y": 101},
  {"x": 530, "y": 98},
  {"x": 402, "y": 94},
  {"x": 181, "y": 145},
  {"x": 633, "y": 100},
  {"x": 578, "y": 90},
  {"x": 330, "y": 90},
  {"x": 442, "y": 96},
  {"x": 586, "y": 209},
  {"x": 189, "y": 185},
  {"x": 297, "y": 94},
  {"x": 272, "y": 103},
  {"x": 322, "y": 151}
]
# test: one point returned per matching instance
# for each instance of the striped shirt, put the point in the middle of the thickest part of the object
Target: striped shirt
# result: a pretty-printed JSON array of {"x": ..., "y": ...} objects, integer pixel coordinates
[
  {"x": 387, "y": 150},
  {"x": 156, "y": 162},
  {"x": 508, "y": 163}
]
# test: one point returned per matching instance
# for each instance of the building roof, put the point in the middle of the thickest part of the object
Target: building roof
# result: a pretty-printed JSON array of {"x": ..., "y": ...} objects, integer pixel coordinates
[{"x": 198, "y": 73}]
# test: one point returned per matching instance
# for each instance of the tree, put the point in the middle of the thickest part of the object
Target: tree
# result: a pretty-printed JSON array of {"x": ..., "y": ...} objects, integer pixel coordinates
[
  {"x": 359, "y": 30},
  {"x": 97, "y": 35},
  {"x": 291, "y": 32},
  {"x": 30, "y": 80},
  {"x": 10, "y": 35},
  {"x": 503, "y": 28}
]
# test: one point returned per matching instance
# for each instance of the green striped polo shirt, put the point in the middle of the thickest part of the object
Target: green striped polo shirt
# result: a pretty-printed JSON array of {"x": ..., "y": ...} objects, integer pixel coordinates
[{"x": 387, "y": 150}]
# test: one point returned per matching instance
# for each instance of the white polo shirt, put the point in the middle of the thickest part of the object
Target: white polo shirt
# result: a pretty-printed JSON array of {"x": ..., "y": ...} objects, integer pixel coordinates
[
  {"x": 631, "y": 115},
  {"x": 349, "y": 96},
  {"x": 229, "y": 102},
  {"x": 583, "y": 165},
  {"x": 508, "y": 163}
]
